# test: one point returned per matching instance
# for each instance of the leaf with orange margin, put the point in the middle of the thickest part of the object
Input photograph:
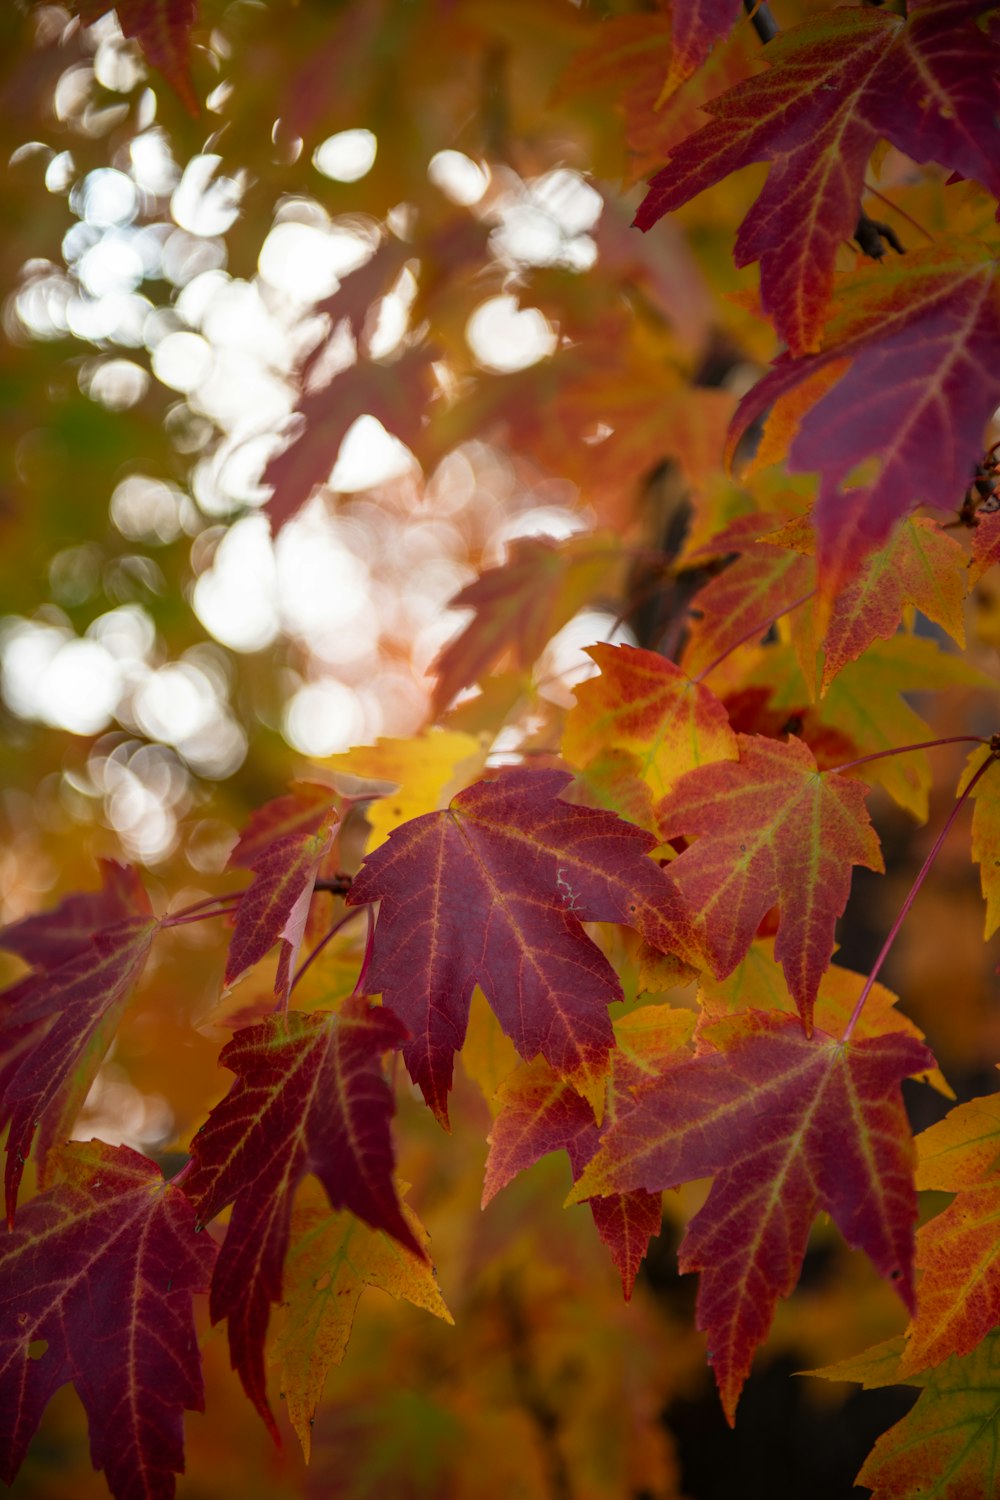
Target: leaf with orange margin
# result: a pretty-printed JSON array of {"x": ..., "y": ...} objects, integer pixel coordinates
[
  {"x": 920, "y": 565},
  {"x": 494, "y": 891},
  {"x": 332, "y": 1258},
  {"x": 99, "y": 1276},
  {"x": 309, "y": 1096},
  {"x": 162, "y": 29},
  {"x": 958, "y": 1251},
  {"x": 520, "y": 605},
  {"x": 923, "y": 339},
  {"x": 769, "y": 828},
  {"x": 644, "y": 706},
  {"x": 759, "y": 984},
  {"x": 985, "y": 834},
  {"x": 945, "y": 1448},
  {"x": 57, "y": 1023},
  {"x": 764, "y": 581},
  {"x": 789, "y": 1126},
  {"x": 539, "y": 1112},
  {"x": 835, "y": 85},
  {"x": 423, "y": 770}
]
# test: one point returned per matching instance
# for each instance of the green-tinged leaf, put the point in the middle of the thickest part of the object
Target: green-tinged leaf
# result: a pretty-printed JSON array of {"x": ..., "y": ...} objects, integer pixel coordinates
[
  {"x": 309, "y": 1096},
  {"x": 332, "y": 1258}
]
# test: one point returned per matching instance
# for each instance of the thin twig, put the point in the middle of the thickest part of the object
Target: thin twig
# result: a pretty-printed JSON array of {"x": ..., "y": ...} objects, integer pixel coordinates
[{"x": 925, "y": 867}]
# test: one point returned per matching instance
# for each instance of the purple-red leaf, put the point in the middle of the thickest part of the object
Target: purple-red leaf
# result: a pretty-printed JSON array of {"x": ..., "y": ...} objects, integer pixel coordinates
[
  {"x": 162, "y": 29},
  {"x": 309, "y": 1096},
  {"x": 95, "y": 1288},
  {"x": 790, "y": 1126},
  {"x": 918, "y": 343},
  {"x": 57, "y": 1023},
  {"x": 494, "y": 891},
  {"x": 835, "y": 85},
  {"x": 286, "y": 865}
]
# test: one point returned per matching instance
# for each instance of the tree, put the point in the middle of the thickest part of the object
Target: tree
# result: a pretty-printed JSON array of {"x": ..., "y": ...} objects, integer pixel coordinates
[{"x": 324, "y": 319}]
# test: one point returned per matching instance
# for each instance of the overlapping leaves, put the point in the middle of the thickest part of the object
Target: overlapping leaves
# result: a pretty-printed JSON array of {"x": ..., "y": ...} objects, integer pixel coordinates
[
  {"x": 309, "y": 1096},
  {"x": 494, "y": 891},
  {"x": 833, "y": 87},
  {"x": 789, "y": 1126}
]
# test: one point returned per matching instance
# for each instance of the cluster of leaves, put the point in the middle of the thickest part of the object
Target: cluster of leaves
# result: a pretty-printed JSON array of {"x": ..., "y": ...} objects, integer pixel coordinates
[{"x": 647, "y": 898}]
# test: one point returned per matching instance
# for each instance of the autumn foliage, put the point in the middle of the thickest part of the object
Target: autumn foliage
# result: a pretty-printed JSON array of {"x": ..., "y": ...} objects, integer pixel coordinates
[{"x": 586, "y": 906}]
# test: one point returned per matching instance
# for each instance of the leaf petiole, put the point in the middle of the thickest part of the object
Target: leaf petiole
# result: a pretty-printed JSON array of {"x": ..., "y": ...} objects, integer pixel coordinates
[
  {"x": 953, "y": 739},
  {"x": 935, "y": 849}
]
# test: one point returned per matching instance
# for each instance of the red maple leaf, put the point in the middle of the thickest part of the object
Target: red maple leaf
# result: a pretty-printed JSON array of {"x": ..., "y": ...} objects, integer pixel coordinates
[
  {"x": 770, "y": 827},
  {"x": 540, "y": 1112},
  {"x": 919, "y": 347},
  {"x": 395, "y": 391},
  {"x": 519, "y": 607},
  {"x": 162, "y": 29},
  {"x": 789, "y": 1126},
  {"x": 309, "y": 1096},
  {"x": 284, "y": 844},
  {"x": 95, "y": 1288},
  {"x": 494, "y": 891},
  {"x": 57, "y": 1023},
  {"x": 834, "y": 86}
]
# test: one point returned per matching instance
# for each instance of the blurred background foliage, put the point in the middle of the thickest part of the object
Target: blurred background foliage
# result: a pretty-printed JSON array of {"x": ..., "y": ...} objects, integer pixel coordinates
[{"x": 436, "y": 197}]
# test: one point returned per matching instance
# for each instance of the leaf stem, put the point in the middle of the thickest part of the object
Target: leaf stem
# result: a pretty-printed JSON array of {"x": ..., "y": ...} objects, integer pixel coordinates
[
  {"x": 749, "y": 635},
  {"x": 922, "y": 876},
  {"x": 199, "y": 911},
  {"x": 953, "y": 739},
  {"x": 326, "y": 938},
  {"x": 359, "y": 985}
]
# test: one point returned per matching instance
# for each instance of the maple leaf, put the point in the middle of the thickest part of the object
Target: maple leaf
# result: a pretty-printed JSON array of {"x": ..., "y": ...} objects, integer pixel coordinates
[
  {"x": 162, "y": 29},
  {"x": 920, "y": 565},
  {"x": 834, "y": 85},
  {"x": 540, "y": 1112},
  {"x": 757, "y": 983},
  {"x": 884, "y": 674},
  {"x": 789, "y": 1126},
  {"x": 309, "y": 1096},
  {"x": 395, "y": 391},
  {"x": 331, "y": 1259},
  {"x": 286, "y": 864},
  {"x": 494, "y": 891},
  {"x": 769, "y": 828},
  {"x": 957, "y": 1251},
  {"x": 916, "y": 347},
  {"x": 696, "y": 26},
  {"x": 58, "y": 1021},
  {"x": 644, "y": 706},
  {"x": 519, "y": 607},
  {"x": 420, "y": 769},
  {"x": 985, "y": 546},
  {"x": 762, "y": 583},
  {"x": 96, "y": 1284},
  {"x": 945, "y": 1448},
  {"x": 48, "y": 938}
]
